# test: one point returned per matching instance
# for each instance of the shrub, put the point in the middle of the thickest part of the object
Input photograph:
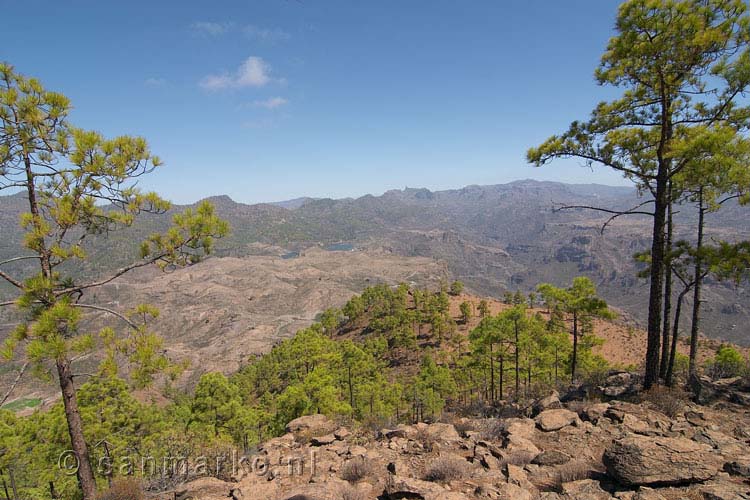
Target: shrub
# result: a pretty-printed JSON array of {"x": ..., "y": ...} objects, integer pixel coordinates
[
  {"x": 728, "y": 362},
  {"x": 445, "y": 470},
  {"x": 670, "y": 401},
  {"x": 355, "y": 470},
  {"x": 464, "y": 426},
  {"x": 574, "y": 470},
  {"x": 349, "y": 492},
  {"x": 124, "y": 489}
]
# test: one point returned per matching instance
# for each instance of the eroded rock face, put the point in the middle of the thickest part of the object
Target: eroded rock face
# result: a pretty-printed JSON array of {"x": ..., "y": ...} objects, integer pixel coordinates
[{"x": 641, "y": 460}]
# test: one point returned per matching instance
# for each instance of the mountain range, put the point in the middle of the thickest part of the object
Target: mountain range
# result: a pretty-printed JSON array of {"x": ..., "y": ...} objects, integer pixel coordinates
[{"x": 494, "y": 238}]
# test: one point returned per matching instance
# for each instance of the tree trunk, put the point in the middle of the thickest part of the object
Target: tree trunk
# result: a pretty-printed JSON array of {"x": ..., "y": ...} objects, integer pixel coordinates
[
  {"x": 697, "y": 280},
  {"x": 656, "y": 285},
  {"x": 669, "y": 377},
  {"x": 502, "y": 369},
  {"x": 75, "y": 428},
  {"x": 574, "y": 361},
  {"x": 667, "y": 291},
  {"x": 518, "y": 387},
  {"x": 492, "y": 378}
]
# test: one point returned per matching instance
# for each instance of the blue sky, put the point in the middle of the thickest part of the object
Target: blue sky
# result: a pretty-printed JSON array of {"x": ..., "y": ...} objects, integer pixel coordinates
[{"x": 274, "y": 99}]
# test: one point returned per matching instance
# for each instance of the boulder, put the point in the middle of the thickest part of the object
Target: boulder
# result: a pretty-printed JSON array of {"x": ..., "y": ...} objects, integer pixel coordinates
[
  {"x": 342, "y": 433},
  {"x": 445, "y": 433},
  {"x": 554, "y": 420},
  {"x": 408, "y": 487},
  {"x": 593, "y": 412},
  {"x": 549, "y": 458},
  {"x": 509, "y": 491},
  {"x": 640, "y": 460},
  {"x": 740, "y": 467},
  {"x": 585, "y": 489},
  {"x": 314, "y": 424},
  {"x": 645, "y": 493},
  {"x": 323, "y": 440},
  {"x": 547, "y": 403},
  {"x": 515, "y": 445}
]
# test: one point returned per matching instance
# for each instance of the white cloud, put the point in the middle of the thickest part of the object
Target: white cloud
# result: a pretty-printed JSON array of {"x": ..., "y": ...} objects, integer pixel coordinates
[
  {"x": 271, "y": 103},
  {"x": 268, "y": 35},
  {"x": 253, "y": 72},
  {"x": 210, "y": 28},
  {"x": 155, "y": 82}
]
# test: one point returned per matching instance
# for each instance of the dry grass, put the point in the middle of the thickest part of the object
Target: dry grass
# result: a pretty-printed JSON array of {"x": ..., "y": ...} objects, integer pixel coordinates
[
  {"x": 670, "y": 401},
  {"x": 519, "y": 458},
  {"x": 349, "y": 492},
  {"x": 426, "y": 439},
  {"x": 444, "y": 470},
  {"x": 124, "y": 489},
  {"x": 355, "y": 470},
  {"x": 575, "y": 470},
  {"x": 464, "y": 426}
]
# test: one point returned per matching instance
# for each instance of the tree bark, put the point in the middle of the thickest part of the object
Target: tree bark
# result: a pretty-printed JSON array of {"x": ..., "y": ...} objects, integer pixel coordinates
[
  {"x": 656, "y": 284},
  {"x": 663, "y": 367},
  {"x": 669, "y": 377},
  {"x": 85, "y": 472},
  {"x": 518, "y": 368},
  {"x": 698, "y": 279},
  {"x": 574, "y": 360}
]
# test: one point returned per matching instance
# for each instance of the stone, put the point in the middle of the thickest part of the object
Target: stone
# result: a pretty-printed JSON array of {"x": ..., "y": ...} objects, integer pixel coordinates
[
  {"x": 554, "y": 420},
  {"x": 593, "y": 412},
  {"x": 515, "y": 444},
  {"x": 549, "y": 458},
  {"x": 445, "y": 433},
  {"x": 645, "y": 493},
  {"x": 585, "y": 489},
  {"x": 408, "y": 487},
  {"x": 547, "y": 403},
  {"x": 509, "y": 491},
  {"x": 323, "y": 440},
  {"x": 523, "y": 427},
  {"x": 739, "y": 467},
  {"x": 640, "y": 460},
  {"x": 315, "y": 424},
  {"x": 342, "y": 433}
]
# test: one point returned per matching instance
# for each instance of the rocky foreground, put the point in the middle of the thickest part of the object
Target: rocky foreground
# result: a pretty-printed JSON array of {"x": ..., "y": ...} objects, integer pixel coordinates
[{"x": 578, "y": 450}]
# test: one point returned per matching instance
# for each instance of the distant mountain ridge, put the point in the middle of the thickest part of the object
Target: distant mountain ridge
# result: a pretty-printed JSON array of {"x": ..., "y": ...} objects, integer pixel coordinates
[{"x": 495, "y": 238}]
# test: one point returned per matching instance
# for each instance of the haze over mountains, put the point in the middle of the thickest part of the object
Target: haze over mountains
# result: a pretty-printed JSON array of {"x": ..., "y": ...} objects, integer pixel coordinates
[{"x": 494, "y": 238}]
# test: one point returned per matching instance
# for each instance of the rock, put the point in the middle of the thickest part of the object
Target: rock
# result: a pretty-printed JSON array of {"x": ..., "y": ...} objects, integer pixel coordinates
[
  {"x": 641, "y": 460},
  {"x": 554, "y": 420},
  {"x": 550, "y": 402},
  {"x": 619, "y": 384},
  {"x": 391, "y": 433},
  {"x": 323, "y": 440},
  {"x": 585, "y": 489},
  {"x": 516, "y": 475},
  {"x": 740, "y": 467},
  {"x": 407, "y": 487},
  {"x": 645, "y": 493},
  {"x": 342, "y": 433},
  {"x": 509, "y": 491},
  {"x": 549, "y": 458},
  {"x": 445, "y": 433},
  {"x": 515, "y": 445},
  {"x": 522, "y": 427},
  {"x": 314, "y": 424},
  {"x": 707, "y": 391},
  {"x": 724, "y": 491},
  {"x": 593, "y": 412}
]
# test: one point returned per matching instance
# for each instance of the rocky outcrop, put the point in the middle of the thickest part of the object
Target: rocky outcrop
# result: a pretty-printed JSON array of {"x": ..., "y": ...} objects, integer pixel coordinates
[
  {"x": 613, "y": 450},
  {"x": 641, "y": 460}
]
